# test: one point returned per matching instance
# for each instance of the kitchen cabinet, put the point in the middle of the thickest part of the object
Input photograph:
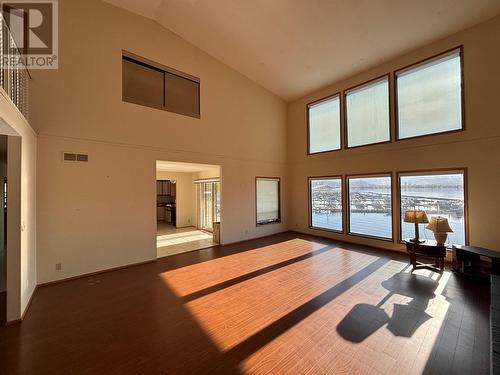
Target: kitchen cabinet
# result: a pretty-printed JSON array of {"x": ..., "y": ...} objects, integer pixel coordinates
[
  {"x": 160, "y": 213},
  {"x": 165, "y": 187}
]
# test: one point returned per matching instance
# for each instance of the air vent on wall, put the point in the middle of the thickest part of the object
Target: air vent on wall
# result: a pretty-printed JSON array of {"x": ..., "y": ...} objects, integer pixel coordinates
[
  {"x": 82, "y": 157},
  {"x": 69, "y": 156}
]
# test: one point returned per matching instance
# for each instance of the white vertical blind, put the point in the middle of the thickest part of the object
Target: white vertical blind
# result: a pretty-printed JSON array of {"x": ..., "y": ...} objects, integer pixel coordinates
[
  {"x": 368, "y": 113},
  {"x": 429, "y": 97},
  {"x": 267, "y": 196},
  {"x": 324, "y": 125}
]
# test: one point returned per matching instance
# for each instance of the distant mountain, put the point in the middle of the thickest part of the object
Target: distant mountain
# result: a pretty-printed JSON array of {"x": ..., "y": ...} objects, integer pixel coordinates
[
  {"x": 326, "y": 185},
  {"x": 374, "y": 183},
  {"x": 451, "y": 181},
  {"x": 443, "y": 181}
]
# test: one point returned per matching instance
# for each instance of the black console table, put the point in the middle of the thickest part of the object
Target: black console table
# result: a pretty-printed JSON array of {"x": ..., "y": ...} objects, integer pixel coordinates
[{"x": 467, "y": 260}]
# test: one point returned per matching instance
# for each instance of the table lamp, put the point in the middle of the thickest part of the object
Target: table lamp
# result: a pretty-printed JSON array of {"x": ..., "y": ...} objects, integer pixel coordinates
[
  {"x": 416, "y": 217},
  {"x": 440, "y": 227}
]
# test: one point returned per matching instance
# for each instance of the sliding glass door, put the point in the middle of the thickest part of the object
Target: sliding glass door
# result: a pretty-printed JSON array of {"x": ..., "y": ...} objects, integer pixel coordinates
[{"x": 208, "y": 204}]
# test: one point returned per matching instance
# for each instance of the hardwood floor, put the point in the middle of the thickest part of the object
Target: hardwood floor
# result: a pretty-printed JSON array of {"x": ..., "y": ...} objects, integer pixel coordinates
[
  {"x": 289, "y": 303},
  {"x": 3, "y": 308}
]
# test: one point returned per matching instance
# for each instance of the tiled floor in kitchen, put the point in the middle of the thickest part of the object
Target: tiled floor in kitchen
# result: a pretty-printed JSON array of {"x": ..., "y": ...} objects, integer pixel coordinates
[{"x": 171, "y": 240}]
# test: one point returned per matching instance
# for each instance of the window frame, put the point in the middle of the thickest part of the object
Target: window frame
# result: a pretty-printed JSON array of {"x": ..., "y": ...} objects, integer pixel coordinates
[
  {"x": 460, "y": 50},
  {"x": 348, "y": 210},
  {"x": 278, "y": 179},
  {"x": 341, "y": 130},
  {"x": 390, "y": 109},
  {"x": 342, "y": 190},
  {"x": 435, "y": 171},
  {"x": 131, "y": 57}
]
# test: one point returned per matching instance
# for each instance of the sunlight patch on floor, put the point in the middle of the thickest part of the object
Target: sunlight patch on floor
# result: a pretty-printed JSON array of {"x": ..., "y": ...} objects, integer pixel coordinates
[
  {"x": 263, "y": 301},
  {"x": 260, "y": 301},
  {"x": 234, "y": 310},
  {"x": 193, "y": 278}
]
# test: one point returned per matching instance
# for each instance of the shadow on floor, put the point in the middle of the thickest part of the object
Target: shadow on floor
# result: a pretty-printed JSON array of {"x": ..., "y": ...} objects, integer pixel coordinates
[
  {"x": 462, "y": 345},
  {"x": 364, "y": 319}
]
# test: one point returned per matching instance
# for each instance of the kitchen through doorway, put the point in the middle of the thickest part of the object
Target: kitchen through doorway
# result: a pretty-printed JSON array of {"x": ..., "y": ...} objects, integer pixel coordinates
[{"x": 188, "y": 207}]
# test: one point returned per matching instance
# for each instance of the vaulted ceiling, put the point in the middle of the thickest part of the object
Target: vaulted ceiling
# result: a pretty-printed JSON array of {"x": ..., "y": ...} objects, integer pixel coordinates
[{"x": 293, "y": 47}]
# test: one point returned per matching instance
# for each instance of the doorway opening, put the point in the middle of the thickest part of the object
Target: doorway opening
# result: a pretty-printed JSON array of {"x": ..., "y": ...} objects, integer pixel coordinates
[
  {"x": 188, "y": 207},
  {"x": 209, "y": 204}
]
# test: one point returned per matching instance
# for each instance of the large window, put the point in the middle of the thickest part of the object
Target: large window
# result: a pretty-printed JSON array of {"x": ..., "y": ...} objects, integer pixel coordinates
[
  {"x": 324, "y": 125},
  {"x": 370, "y": 206},
  {"x": 208, "y": 204},
  {"x": 429, "y": 96},
  {"x": 267, "y": 192},
  {"x": 367, "y": 113},
  {"x": 438, "y": 194},
  {"x": 152, "y": 85},
  {"x": 326, "y": 203}
]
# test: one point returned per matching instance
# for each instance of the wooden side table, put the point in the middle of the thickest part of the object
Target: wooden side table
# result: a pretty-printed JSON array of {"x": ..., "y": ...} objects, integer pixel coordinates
[{"x": 426, "y": 249}]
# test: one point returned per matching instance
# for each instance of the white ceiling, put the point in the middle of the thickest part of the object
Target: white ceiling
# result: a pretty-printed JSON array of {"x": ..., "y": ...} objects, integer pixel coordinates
[
  {"x": 170, "y": 166},
  {"x": 293, "y": 47}
]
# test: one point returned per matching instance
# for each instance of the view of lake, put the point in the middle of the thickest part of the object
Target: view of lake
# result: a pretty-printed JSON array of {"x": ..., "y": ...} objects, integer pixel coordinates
[
  {"x": 379, "y": 225},
  {"x": 370, "y": 210}
]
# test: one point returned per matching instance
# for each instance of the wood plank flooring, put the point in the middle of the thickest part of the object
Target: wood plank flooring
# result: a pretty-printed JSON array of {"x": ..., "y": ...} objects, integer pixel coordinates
[{"x": 286, "y": 304}]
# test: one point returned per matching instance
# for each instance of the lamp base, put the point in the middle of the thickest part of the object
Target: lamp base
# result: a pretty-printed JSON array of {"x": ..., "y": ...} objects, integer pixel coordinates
[
  {"x": 440, "y": 238},
  {"x": 417, "y": 235}
]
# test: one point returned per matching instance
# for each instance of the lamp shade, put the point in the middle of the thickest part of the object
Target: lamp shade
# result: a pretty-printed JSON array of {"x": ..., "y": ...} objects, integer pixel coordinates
[
  {"x": 416, "y": 216},
  {"x": 439, "y": 224}
]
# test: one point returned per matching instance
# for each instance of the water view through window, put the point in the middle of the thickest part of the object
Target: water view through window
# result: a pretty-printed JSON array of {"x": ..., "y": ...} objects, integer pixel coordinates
[
  {"x": 326, "y": 203},
  {"x": 437, "y": 195},
  {"x": 370, "y": 206}
]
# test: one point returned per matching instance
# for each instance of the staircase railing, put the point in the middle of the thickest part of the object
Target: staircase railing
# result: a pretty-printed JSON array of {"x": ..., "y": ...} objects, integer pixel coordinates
[{"x": 14, "y": 77}]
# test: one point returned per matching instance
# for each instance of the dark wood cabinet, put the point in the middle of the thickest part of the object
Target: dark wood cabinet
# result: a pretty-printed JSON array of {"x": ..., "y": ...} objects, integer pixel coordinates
[
  {"x": 476, "y": 262},
  {"x": 165, "y": 187}
]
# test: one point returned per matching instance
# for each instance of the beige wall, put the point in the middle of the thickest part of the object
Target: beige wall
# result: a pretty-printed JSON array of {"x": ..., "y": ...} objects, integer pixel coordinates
[
  {"x": 101, "y": 214},
  {"x": 21, "y": 215},
  {"x": 477, "y": 148}
]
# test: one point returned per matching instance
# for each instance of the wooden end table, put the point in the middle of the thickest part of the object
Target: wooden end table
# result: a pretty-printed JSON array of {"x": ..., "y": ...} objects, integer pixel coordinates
[{"x": 426, "y": 249}]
